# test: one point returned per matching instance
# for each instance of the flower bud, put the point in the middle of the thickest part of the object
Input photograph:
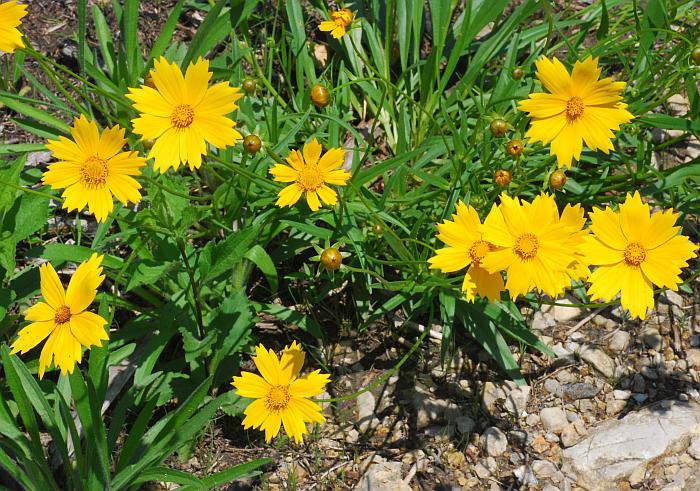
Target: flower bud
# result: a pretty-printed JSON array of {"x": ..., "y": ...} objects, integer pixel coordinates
[
  {"x": 695, "y": 55},
  {"x": 249, "y": 85},
  {"x": 517, "y": 73},
  {"x": 557, "y": 179},
  {"x": 331, "y": 259},
  {"x": 319, "y": 95},
  {"x": 252, "y": 144},
  {"x": 514, "y": 148},
  {"x": 502, "y": 177},
  {"x": 498, "y": 127}
]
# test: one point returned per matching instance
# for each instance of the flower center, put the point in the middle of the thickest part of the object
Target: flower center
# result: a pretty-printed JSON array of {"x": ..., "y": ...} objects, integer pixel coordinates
[
  {"x": 310, "y": 178},
  {"x": 574, "y": 108},
  {"x": 182, "y": 116},
  {"x": 62, "y": 315},
  {"x": 343, "y": 17},
  {"x": 277, "y": 398},
  {"x": 526, "y": 246},
  {"x": 94, "y": 171},
  {"x": 478, "y": 251},
  {"x": 634, "y": 254}
]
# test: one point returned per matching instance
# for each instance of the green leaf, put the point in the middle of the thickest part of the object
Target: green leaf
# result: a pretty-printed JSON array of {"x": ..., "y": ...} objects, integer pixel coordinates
[
  {"x": 262, "y": 260},
  {"x": 9, "y": 180},
  {"x": 667, "y": 122},
  {"x": 602, "y": 31}
]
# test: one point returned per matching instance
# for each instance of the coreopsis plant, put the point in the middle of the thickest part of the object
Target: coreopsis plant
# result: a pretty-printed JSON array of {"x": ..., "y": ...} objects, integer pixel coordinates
[
  {"x": 281, "y": 396},
  {"x": 92, "y": 168},
  {"x": 337, "y": 26},
  {"x": 183, "y": 114},
  {"x": 532, "y": 244},
  {"x": 309, "y": 174},
  {"x": 63, "y": 317},
  {"x": 11, "y": 14},
  {"x": 635, "y": 250},
  {"x": 466, "y": 248},
  {"x": 578, "y": 108}
]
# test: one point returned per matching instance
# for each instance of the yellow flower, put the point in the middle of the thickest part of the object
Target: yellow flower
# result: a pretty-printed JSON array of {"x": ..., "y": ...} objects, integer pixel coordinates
[
  {"x": 310, "y": 175},
  {"x": 466, "y": 248},
  {"x": 63, "y": 318},
  {"x": 340, "y": 21},
  {"x": 92, "y": 168},
  {"x": 573, "y": 218},
  {"x": 183, "y": 114},
  {"x": 578, "y": 107},
  {"x": 11, "y": 14},
  {"x": 281, "y": 396},
  {"x": 534, "y": 246},
  {"x": 635, "y": 250}
]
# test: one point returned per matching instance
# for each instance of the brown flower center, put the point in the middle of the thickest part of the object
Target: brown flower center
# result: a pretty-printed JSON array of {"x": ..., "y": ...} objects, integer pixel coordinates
[
  {"x": 526, "y": 246},
  {"x": 62, "y": 315},
  {"x": 310, "y": 178},
  {"x": 478, "y": 251},
  {"x": 634, "y": 254},
  {"x": 94, "y": 172},
  {"x": 278, "y": 398},
  {"x": 182, "y": 116},
  {"x": 574, "y": 108}
]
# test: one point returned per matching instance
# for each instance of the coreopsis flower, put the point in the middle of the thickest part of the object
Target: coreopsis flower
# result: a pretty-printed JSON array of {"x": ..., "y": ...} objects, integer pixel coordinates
[
  {"x": 338, "y": 24},
  {"x": 578, "y": 108},
  {"x": 573, "y": 218},
  {"x": 532, "y": 244},
  {"x": 63, "y": 318},
  {"x": 281, "y": 396},
  {"x": 92, "y": 168},
  {"x": 310, "y": 175},
  {"x": 11, "y": 14},
  {"x": 634, "y": 251},
  {"x": 467, "y": 249},
  {"x": 183, "y": 113}
]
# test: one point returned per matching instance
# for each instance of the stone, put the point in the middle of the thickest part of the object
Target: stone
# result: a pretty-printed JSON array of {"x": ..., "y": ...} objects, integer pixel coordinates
[
  {"x": 381, "y": 475},
  {"x": 553, "y": 419},
  {"x": 637, "y": 476},
  {"x": 652, "y": 338},
  {"x": 366, "y": 408},
  {"x": 465, "y": 425},
  {"x": 692, "y": 356},
  {"x": 619, "y": 341},
  {"x": 352, "y": 435},
  {"x": 495, "y": 441},
  {"x": 622, "y": 395},
  {"x": 598, "y": 359},
  {"x": 551, "y": 386},
  {"x": 615, "y": 406},
  {"x": 564, "y": 311},
  {"x": 618, "y": 448},
  {"x": 573, "y": 433},
  {"x": 513, "y": 397},
  {"x": 542, "y": 320},
  {"x": 35, "y": 159},
  {"x": 429, "y": 409},
  {"x": 694, "y": 448},
  {"x": 525, "y": 476},
  {"x": 574, "y": 392},
  {"x": 639, "y": 385},
  {"x": 544, "y": 469},
  {"x": 481, "y": 471}
]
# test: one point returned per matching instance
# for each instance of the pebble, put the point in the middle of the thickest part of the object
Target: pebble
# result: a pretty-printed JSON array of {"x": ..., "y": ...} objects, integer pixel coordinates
[
  {"x": 465, "y": 424},
  {"x": 574, "y": 392},
  {"x": 542, "y": 320},
  {"x": 553, "y": 419},
  {"x": 366, "y": 405},
  {"x": 495, "y": 441},
  {"x": 544, "y": 469},
  {"x": 692, "y": 356},
  {"x": 573, "y": 433},
  {"x": 638, "y": 383},
  {"x": 551, "y": 386},
  {"x": 619, "y": 341},
  {"x": 694, "y": 448},
  {"x": 649, "y": 373},
  {"x": 615, "y": 406},
  {"x": 640, "y": 398},
  {"x": 599, "y": 360},
  {"x": 694, "y": 340},
  {"x": 564, "y": 312},
  {"x": 525, "y": 476},
  {"x": 622, "y": 395},
  {"x": 652, "y": 338}
]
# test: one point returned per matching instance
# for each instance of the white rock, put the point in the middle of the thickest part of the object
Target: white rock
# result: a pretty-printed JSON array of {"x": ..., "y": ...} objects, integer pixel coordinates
[
  {"x": 495, "y": 441},
  {"x": 618, "y": 448},
  {"x": 692, "y": 356},
  {"x": 544, "y": 469},
  {"x": 619, "y": 341},
  {"x": 513, "y": 397},
  {"x": 525, "y": 476},
  {"x": 542, "y": 320},
  {"x": 694, "y": 448},
  {"x": 622, "y": 395},
  {"x": 573, "y": 433},
  {"x": 563, "y": 311},
  {"x": 598, "y": 359},
  {"x": 382, "y": 476},
  {"x": 366, "y": 405},
  {"x": 553, "y": 419}
]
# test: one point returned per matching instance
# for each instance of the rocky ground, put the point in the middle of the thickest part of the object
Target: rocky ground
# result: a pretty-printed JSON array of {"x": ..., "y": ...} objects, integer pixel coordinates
[{"x": 619, "y": 408}]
